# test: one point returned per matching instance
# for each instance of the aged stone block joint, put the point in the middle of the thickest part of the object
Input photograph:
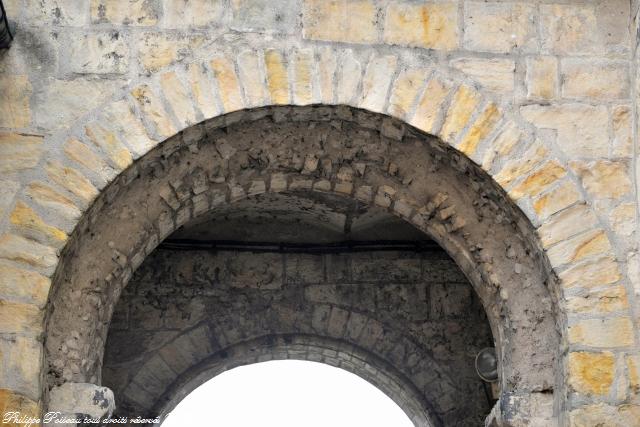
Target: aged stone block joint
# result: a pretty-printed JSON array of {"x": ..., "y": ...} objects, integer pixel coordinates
[{"x": 385, "y": 186}]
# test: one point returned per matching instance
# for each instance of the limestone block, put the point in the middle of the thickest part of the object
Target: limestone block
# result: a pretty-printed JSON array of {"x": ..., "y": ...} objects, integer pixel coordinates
[
  {"x": 277, "y": 76},
  {"x": 463, "y": 105},
  {"x": 55, "y": 12},
  {"x": 134, "y": 12},
  {"x": 604, "y": 414},
  {"x": 179, "y": 99},
  {"x": 202, "y": 89},
  {"x": 595, "y": 79},
  {"x": 21, "y": 359},
  {"x": 504, "y": 143},
  {"x": 499, "y": 27},
  {"x": 8, "y": 190},
  {"x": 593, "y": 273},
  {"x": 18, "y": 317},
  {"x": 542, "y": 77},
  {"x": 19, "y": 151},
  {"x": 405, "y": 90},
  {"x": 522, "y": 165},
  {"x": 87, "y": 399},
  {"x": 258, "y": 273},
  {"x": 633, "y": 368},
  {"x": 567, "y": 223},
  {"x": 570, "y": 29},
  {"x": 480, "y": 129},
  {"x": 14, "y": 108},
  {"x": 257, "y": 15},
  {"x": 25, "y": 251},
  {"x": 49, "y": 198},
  {"x": 303, "y": 64},
  {"x": 120, "y": 116},
  {"x": 71, "y": 180},
  {"x": 604, "y": 179},
  {"x": 376, "y": 81},
  {"x": 622, "y": 219},
  {"x": 20, "y": 285},
  {"x": 31, "y": 225},
  {"x": 152, "y": 108},
  {"x": 606, "y": 300},
  {"x": 97, "y": 53},
  {"x": 253, "y": 78},
  {"x": 109, "y": 142},
  {"x": 582, "y": 129},
  {"x": 591, "y": 373},
  {"x": 349, "y": 76},
  {"x": 194, "y": 13},
  {"x": 622, "y": 144},
  {"x": 539, "y": 180},
  {"x": 228, "y": 85},
  {"x": 158, "y": 50},
  {"x": 430, "y": 26},
  {"x": 340, "y": 20},
  {"x": 495, "y": 74},
  {"x": 576, "y": 248},
  {"x": 326, "y": 71},
  {"x": 609, "y": 332},
  {"x": 556, "y": 199}
]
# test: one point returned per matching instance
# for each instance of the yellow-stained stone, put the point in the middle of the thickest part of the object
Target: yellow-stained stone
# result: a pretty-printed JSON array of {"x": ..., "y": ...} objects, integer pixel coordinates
[
  {"x": 303, "y": 80},
  {"x": 606, "y": 300},
  {"x": 495, "y": 74},
  {"x": 350, "y": 21},
  {"x": 592, "y": 242},
  {"x": 120, "y": 115},
  {"x": 349, "y": 77},
  {"x": 110, "y": 143},
  {"x": 12, "y": 401},
  {"x": 202, "y": 89},
  {"x": 277, "y": 78},
  {"x": 633, "y": 369},
  {"x": 228, "y": 85},
  {"x": 604, "y": 415},
  {"x": 33, "y": 227},
  {"x": 568, "y": 223},
  {"x": 326, "y": 71},
  {"x": 542, "y": 77},
  {"x": 591, "y": 373},
  {"x": 158, "y": 50},
  {"x": 622, "y": 145},
  {"x": 71, "y": 180},
  {"x": 556, "y": 199},
  {"x": 595, "y": 79},
  {"x": 253, "y": 78},
  {"x": 152, "y": 108},
  {"x": 19, "y": 151},
  {"x": 582, "y": 129},
  {"x": 522, "y": 165},
  {"x": 25, "y": 251},
  {"x": 593, "y": 273},
  {"x": 610, "y": 332},
  {"x": 81, "y": 154},
  {"x": 570, "y": 29},
  {"x": 376, "y": 81},
  {"x": 20, "y": 318},
  {"x": 20, "y": 285},
  {"x": 178, "y": 97},
  {"x": 604, "y": 179},
  {"x": 464, "y": 103},
  {"x": 483, "y": 126},
  {"x": 131, "y": 12},
  {"x": 539, "y": 180},
  {"x": 500, "y": 26},
  {"x": 502, "y": 146},
  {"x": 622, "y": 219},
  {"x": 405, "y": 90},
  {"x": 192, "y": 13},
  {"x": 48, "y": 198},
  {"x": 14, "y": 108},
  {"x": 431, "y": 26}
]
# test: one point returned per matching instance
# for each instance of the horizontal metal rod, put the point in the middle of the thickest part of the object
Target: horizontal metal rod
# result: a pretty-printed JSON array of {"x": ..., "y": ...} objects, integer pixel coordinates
[{"x": 280, "y": 247}]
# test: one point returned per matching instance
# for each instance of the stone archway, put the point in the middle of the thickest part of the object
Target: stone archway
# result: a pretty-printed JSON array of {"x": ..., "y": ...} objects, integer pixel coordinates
[{"x": 339, "y": 150}]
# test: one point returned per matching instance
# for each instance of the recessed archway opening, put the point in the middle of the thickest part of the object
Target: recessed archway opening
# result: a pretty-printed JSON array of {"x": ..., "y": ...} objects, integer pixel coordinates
[
  {"x": 287, "y": 394},
  {"x": 312, "y": 178}
]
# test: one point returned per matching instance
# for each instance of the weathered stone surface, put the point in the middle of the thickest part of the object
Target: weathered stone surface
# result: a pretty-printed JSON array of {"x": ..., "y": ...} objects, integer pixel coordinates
[
  {"x": 499, "y": 27},
  {"x": 604, "y": 179},
  {"x": 539, "y": 180},
  {"x": 496, "y": 75},
  {"x": 21, "y": 363},
  {"x": 504, "y": 143},
  {"x": 570, "y": 29},
  {"x": 326, "y": 71},
  {"x": 202, "y": 89},
  {"x": 480, "y": 129},
  {"x": 622, "y": 219},
  {"x": 582, "y": 129},
  {"x": 593, "y": 273},
  {"x": 518, "y": 167},
  {"x": 228, "y": 85},
  {"x": 595, "y": 79},
  {"x": 134, "y": 13},
  {"x": 605, "y": 415},
  {"x": 98, "y": 53},
  {"x": 253, "y": 78},
  {"x": 431, "y": 26},
  {"x": 622, "y": 145},
  {"x": 25, "y": 286},
  {"x": 376, "y": 81},
  {"x": 464, "y": 103},
  {"x": 109, "y": 142},
  {"x": 633, "y": 367},
  {"x": 82, "y": 398},
  {"x": 71, "y": 180},
  {"x": 405, "y": 90},
  {"x": 20, "y": 318},
  {"x": 49, "y": 198},
  {"x": 303, "y": 63},
  {"x": 193, "y": 13},
  {"x": 340, "y": 20},
  {"x": 179, "y": 98},
  {"x": 349, "y": 76},
  {"x": 567, "y": 223},
  {"x": 8, "y": 190},
  {"x": 153, "y": 110},
  {"x": 19, "y": 151},
  {"x": 576, "y": 248},
  {"x": 15, "y": 111},
  {"x": 556, "y": 199},
  {"x": 542, "y": 77},
  {"x": 120, "y": 116},
  {"x": 54, "y": 12},
  {"x": 591, "y": 373},
  {"x": 606, "y": 333},
  {"x": 263, "y": 15},
  {"x": 277, "y": 76},
  {"x": 158, "y": 50},
  {"x": 606, "y": 300},
  {"x": 33, "y": 227},
  {"x": 12, "y": 401}
]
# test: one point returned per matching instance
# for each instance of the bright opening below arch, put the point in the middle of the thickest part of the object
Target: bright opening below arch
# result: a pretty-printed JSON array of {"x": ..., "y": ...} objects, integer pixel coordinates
[{"x": 287, "y": 393}]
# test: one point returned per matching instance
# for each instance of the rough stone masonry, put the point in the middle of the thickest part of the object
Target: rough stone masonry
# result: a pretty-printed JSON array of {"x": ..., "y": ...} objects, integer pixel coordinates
[{"x": 523, "y": 114}]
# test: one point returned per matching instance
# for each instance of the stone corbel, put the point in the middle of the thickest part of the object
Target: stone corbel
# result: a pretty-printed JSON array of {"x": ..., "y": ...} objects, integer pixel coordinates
[{"x": 81, "y": 401}]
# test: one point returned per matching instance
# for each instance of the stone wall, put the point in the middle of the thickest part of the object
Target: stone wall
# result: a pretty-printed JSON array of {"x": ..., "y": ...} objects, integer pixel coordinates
[
  {"x": 414, "y": 310},
  {"x": 541, "y": 95}
]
